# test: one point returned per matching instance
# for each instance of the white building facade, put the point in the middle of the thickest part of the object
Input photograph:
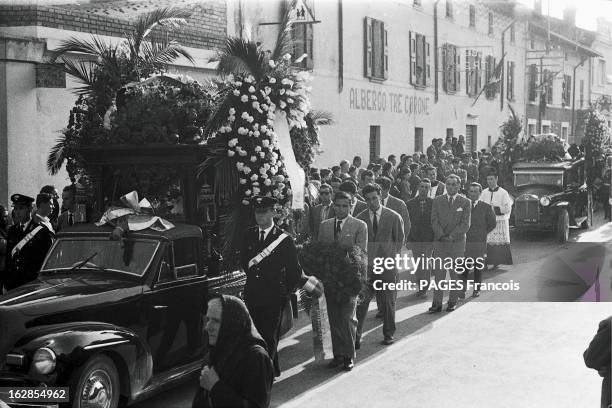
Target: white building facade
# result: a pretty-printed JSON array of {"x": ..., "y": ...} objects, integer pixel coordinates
[{"x": 374, "y": 66}]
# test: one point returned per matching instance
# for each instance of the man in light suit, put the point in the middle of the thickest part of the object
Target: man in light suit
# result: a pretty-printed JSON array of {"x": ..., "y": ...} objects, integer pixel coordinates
[
  {"x": 385, "y": 240},
  {"x": 320, "y": 212},
  {"x": 450, "y": 220},
  {"x": 347, "y": 232},
  {"x": 482, "y": 222},
  {"x": 357, "y": 206}
]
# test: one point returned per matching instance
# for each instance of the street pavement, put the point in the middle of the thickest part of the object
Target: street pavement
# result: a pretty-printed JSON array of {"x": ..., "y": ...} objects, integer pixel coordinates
[{"x": 500, "y": 350}]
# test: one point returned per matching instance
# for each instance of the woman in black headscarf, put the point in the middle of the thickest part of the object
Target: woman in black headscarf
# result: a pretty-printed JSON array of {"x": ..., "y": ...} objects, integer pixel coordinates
[{"x": 239, "y": 372}]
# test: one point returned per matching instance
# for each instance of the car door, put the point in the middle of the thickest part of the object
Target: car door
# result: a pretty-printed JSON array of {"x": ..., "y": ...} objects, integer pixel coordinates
[{"x": 175, "y": 307}]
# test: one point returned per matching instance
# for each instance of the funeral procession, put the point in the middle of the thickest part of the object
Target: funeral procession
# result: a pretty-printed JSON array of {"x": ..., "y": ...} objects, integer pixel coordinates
[{"x": 291, "y": 203}]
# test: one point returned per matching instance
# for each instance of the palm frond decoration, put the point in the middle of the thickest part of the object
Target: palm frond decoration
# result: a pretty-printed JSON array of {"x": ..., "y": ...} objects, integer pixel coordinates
[
  {"x": 166, "y": 17},
  {"x": 159, "y": 54},
  {"x": 319, "y": 118},
  {"x": 82, "y": 71},
  {"x": 241, "y": 56},
  {"x": 57, "y": 156},
  {"x": 219, "y": 111},
  {"x": 284, "y": 42}
]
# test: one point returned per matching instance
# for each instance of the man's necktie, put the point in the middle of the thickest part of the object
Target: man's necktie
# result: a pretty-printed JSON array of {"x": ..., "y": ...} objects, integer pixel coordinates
[
  {"x": 375, "y": 224},
  {"x": 337, "y": 230},
  {"x": 70, "y": 219},
  {"x": 450, "y": 200},
  {"x": 261, "y": 236}
]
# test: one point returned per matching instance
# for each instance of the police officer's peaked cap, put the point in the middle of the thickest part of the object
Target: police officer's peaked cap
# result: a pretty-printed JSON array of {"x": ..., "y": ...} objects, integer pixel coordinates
[
  {"x": 260, "y": 202},
  {"x": 20, "y": 199}
]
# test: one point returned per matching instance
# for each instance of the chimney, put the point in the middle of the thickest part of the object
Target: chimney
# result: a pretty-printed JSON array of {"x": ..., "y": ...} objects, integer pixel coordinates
[{"x": 569, "y": 16}]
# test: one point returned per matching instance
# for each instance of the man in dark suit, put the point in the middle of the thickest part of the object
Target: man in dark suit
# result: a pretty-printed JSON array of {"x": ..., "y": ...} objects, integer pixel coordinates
[
  {"x": 385, "y": 240},
  {"x": 347, "y": 231},
  {"x": 450, "y": 220},
  {"x": 357, "y": 206},
  {"x": 272, "y": 279},
  {"x": 27, "y": 245},
  {"x": 393, "y": 203},
  {"x": 597, "y": 357},
  {"x": 421, "y": 234},
  {"x": 320, "y": 212},
  {"x": 482, "y": 222},
  {"x": 66, "y": 218}
]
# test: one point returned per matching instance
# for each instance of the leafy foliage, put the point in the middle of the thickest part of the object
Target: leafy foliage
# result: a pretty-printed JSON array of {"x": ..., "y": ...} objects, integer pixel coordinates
[
  {"x": 509, "y": 146},
  {"x": 544, "y": 149},
  {"x": 103, "y": 69},
  {"x": 341, "y": 271},
  {"x": 596, "y": 133}
]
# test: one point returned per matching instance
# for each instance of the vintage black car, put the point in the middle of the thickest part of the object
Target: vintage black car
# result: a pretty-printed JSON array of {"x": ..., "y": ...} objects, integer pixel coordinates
[
  {"x": 114, "y": 321},
  {"x": 553, "y": 196}
]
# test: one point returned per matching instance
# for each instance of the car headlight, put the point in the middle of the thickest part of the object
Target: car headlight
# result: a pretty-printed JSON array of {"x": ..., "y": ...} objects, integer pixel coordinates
[
  {"x": 545, "y": 201},
  {"x": 44, "y": 360}
]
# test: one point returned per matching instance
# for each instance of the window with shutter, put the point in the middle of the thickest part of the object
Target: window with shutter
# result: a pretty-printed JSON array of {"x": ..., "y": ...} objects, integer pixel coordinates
[
  {"x": 444, "y": 55},
  {"x": 413, "y": 62},
  {"x": 549, "y": 79},
  {"x": 478, "y": 73},
  {"x": 510, "y": 81},
  {"x": 567, "y": 90},
  {"x": 450, "y": 68},
  {"x": 427, "y": 62},
  {"x": 302, "y": 37},
  {"x": 472, "y": 16},
  {"x": 533, "y": 77},
  {"x": 385, "y": 53},
  {"x": 376, "y": 64},
  {"x": 488, "y": 74},
  {"x": 420, "y": 55},
  {"x": 368, "y": 47},
  {"x": 457, "y": 70},
  {"x": 449, "y": 8},
  {"x": 490, "y": 23}
]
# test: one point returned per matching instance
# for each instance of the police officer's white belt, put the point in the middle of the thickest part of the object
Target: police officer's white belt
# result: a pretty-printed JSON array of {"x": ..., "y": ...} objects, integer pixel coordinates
[
  {"x": 267, "y": 251},
  {"x": 25, "y": 240}
]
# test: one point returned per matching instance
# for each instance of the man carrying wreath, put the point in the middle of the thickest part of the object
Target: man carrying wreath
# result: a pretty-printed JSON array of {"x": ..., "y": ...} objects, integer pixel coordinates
[{"x": 347, "y": 231}]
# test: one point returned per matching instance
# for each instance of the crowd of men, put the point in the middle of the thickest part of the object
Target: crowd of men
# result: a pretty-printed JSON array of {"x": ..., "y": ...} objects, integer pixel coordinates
[
  {"x": 28, "y": 231},
  {"x": 432, "y": 204}
]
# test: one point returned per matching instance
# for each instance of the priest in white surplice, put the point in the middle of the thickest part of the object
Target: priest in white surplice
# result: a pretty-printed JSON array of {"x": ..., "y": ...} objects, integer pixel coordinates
[{"x": 498, "y": 240}]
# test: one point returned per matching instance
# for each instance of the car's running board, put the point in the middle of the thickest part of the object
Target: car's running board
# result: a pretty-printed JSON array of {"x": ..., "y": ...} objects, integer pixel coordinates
[{"x": 168, "y": 379}]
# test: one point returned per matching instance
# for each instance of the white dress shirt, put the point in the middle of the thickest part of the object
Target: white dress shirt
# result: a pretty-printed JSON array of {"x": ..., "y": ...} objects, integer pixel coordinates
[
  {"x": 372, "y": 213},
  {"x": 265, "y": 231}
]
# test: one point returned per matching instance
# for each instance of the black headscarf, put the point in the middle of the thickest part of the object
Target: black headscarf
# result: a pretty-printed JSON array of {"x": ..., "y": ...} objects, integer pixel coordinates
[{"x": 236, "y": 335}]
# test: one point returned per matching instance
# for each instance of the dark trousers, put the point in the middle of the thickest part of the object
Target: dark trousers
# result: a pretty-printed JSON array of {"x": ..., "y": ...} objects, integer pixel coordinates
[
  {"x": 386, "y": 299},
  {"x": 422, "y": 250},
  {"x": 343, "y": 326},
  {"x": 267, "y": 320},
  {"x": 477, "y": 271}
]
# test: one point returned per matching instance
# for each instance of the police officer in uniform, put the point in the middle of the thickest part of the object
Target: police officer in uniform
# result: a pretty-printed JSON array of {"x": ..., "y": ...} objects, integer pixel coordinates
[
  {"x": 269, "y": 280},
  {"x": 27, "y": 245}
]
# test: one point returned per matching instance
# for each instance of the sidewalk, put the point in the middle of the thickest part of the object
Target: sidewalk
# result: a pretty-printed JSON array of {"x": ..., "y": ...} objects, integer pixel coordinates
[{"x": 482, "y": 355}]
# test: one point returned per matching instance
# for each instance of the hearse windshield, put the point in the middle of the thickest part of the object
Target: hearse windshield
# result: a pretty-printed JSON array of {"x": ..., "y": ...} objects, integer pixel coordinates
[
  {"x": 132, "y": 257},
  {"x": 549, "y": 178}
]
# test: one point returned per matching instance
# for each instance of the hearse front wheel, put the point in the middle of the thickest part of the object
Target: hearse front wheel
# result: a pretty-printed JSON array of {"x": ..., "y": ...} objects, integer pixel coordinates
[
  {"x": 563, "y": 226},
  {"x": 96, "y": 384}
]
